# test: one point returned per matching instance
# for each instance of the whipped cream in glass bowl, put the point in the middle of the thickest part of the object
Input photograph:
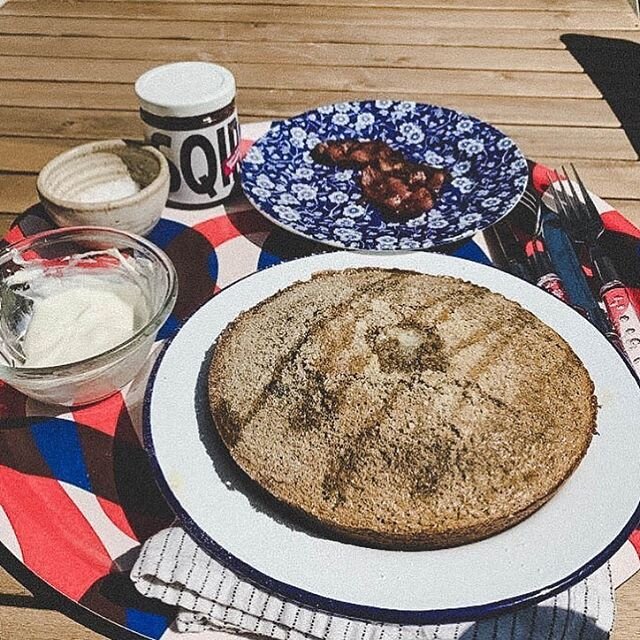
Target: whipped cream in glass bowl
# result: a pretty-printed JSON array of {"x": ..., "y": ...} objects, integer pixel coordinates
[{"x": 80, "y": 308}]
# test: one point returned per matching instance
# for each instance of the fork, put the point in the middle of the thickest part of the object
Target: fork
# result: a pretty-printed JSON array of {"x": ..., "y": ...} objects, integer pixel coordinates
[
  {"x": 583, "y": 223},
  {"x": 579, "y": 213}
]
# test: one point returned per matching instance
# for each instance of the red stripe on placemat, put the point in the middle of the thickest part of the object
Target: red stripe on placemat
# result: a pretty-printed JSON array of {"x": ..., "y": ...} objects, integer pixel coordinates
[
  {"x": 218, "y": 230},
  {"x": 540, "y": 177},
  {"x": 14, "y": 234},
  {"x": 614, "y": 221},
  {"x": 232, "y": 225},
  {"x": 116, "y": 514},
  {"x": 102, "y": 416},
  {"x": 75, "y": 557},
  {"x": 635, "y": 297}
]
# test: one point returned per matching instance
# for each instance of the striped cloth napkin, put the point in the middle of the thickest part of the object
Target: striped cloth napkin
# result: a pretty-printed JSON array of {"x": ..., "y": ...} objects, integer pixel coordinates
[{"x": 212, "y": 599}]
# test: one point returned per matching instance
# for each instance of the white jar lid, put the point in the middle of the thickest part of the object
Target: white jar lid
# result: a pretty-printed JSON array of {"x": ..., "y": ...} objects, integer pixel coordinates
[{"x": 183, "y": 89}]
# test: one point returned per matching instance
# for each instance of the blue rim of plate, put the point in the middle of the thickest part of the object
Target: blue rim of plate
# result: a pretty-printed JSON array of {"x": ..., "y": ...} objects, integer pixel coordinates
[
  {"x": 339, "y": 607},
  {"x": 280, "y": 179}
]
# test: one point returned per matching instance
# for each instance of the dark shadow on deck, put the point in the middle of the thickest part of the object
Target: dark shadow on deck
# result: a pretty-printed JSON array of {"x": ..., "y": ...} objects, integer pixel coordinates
[{"x": 614, "y": 67}]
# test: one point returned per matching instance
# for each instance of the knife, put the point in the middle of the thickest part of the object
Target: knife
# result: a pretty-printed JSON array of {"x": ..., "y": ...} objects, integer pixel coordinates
[
  {"x": 508, "y": 251},
  {"x": 568, "y": 267},
  {"x": 544, "y": 274}
]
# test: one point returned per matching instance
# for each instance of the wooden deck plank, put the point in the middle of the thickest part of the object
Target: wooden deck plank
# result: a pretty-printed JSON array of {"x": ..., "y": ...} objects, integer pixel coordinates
[
  {"x": 90, "y": 124},
  {"x": 20, "y": 622},
  {"x": 8, "y": 584},
  {"x": 313, "y": 54},
  {"x": 311, "y": 15},
  {"x": 76, "y": 120},
  {"x": 17, "y": 192},
  {"x": 271, "y": 103},
  {"x": 485, "y": 5},
  {"x": 72, "y": 95},
  {"x": 29, "y": 155},
  {"x": 292, "y": 76},
  {"x": 80, "y": 124},
  {"x": 268, "y": 31},
  {"x": 571, "y": 142},
  {"x": 6, "y": 220}
]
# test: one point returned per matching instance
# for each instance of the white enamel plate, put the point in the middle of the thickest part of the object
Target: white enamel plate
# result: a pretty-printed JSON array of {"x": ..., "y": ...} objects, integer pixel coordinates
[{"x": 572, "y": 535}]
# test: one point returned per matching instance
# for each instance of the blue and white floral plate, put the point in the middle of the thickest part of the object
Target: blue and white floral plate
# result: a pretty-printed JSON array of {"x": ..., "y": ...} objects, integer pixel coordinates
[{"x": 323, "y": 203}]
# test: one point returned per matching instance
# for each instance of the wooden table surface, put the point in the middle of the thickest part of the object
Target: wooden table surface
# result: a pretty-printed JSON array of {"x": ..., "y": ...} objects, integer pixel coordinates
[{"x": 67, "y": 69}]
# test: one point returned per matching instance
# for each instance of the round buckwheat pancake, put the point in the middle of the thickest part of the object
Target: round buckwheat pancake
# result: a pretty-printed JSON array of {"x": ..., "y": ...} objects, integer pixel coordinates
[{"x": 400, "y": 409}]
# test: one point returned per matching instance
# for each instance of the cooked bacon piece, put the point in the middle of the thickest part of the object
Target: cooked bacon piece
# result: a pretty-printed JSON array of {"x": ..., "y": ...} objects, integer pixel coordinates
[
  {"x": 395, "y": 185},
  {"x": 372, "y": 185},
  {"x": 390, "y": 161},
  {"x": 417, "y": 176},
  {"x": 384, "y": 190},
  {"x": 420, "y": 200},
  {"x": 393, "y": 195},
  {"x": 334, "y": 152},
  {"x": 353, "y": 153},
  {"x": 377, "y": 154},
  {"x": 436, "y": 180}
]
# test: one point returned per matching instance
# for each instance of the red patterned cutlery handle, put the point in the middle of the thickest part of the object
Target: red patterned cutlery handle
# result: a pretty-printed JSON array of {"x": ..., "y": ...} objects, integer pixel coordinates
[
  {"x": 552, "y": 284},
  {"x": 624, "y": 319}
]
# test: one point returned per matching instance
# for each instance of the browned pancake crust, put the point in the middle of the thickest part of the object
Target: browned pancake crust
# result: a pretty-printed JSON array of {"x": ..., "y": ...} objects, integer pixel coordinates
[{"x": 402, "y": 409}]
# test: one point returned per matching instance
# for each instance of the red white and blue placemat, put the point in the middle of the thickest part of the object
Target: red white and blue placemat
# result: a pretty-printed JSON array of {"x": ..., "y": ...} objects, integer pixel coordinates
[{"x": 77, "y": 497}]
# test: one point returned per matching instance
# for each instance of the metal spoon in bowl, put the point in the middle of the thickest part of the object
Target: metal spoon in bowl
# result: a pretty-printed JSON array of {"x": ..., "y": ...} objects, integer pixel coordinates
[{"x": 15, "y": 313}]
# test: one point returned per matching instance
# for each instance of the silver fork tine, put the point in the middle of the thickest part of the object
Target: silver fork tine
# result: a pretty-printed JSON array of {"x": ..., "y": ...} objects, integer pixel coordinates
[
  {"x": 591, "y": 208},
  {"x": 571, "y": 200},
  {"x": 557, "y": 190},
  {"x": 554, "y": 192},
  {"x": 574, "y": 195}
]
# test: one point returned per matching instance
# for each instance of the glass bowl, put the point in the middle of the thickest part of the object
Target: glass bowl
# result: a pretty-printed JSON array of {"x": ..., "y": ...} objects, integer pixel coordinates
[{"x": 96, "y": 259}]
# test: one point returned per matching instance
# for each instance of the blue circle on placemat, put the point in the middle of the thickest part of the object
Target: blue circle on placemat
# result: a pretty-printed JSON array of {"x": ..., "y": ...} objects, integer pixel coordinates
[{"x": 487, "y": 175}]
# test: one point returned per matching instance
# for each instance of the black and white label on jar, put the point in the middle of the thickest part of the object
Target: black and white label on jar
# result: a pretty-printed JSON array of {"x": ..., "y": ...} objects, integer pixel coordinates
[{"x": 203, "y": 162}]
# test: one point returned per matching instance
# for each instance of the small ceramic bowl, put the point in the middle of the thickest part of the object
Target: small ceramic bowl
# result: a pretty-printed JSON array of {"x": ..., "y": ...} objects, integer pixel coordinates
[
  {"x": 65, "y": 253},
  {"x": 112, "y": 183}
]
